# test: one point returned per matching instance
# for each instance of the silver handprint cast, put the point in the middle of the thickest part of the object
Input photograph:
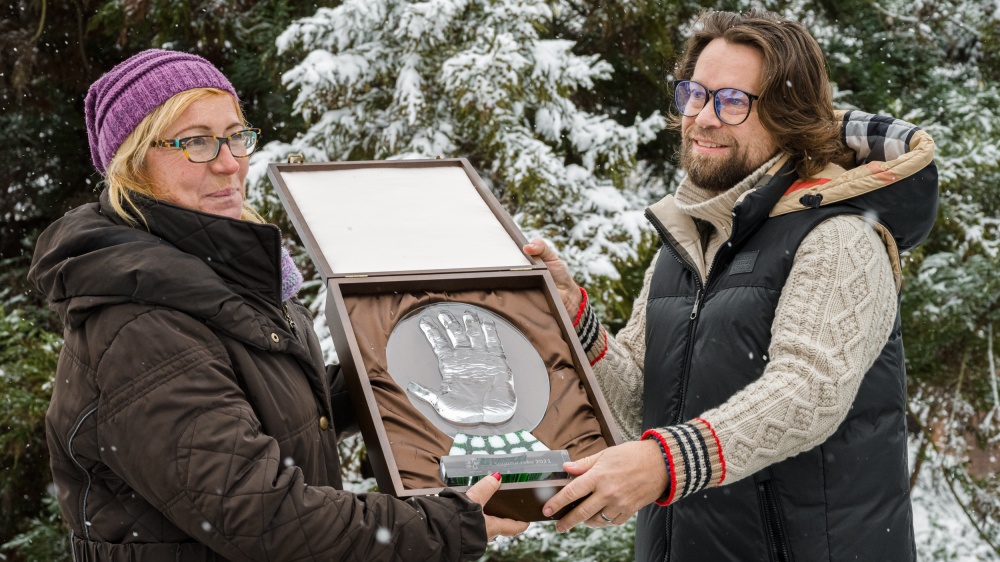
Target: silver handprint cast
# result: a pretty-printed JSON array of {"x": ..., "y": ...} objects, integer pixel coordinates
[{"x": 477, "y": 385}]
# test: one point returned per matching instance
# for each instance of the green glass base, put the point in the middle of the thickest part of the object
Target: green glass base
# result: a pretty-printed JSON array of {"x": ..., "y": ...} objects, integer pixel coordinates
[{"x": 529, "y": 466}]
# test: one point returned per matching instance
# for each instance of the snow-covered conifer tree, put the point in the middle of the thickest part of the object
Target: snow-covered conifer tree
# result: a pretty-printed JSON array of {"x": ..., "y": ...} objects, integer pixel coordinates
[{"x": 391, "y": 79}]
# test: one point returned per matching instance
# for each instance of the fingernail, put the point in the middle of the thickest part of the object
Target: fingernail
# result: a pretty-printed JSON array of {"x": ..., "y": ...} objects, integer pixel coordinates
[
  {"x": 547, "y": 512},
  {"x": 497, "y": 476}
]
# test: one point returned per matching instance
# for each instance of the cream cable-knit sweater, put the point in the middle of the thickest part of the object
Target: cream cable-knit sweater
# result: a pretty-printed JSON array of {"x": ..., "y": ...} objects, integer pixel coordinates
[{"x": 833, "y": 318}]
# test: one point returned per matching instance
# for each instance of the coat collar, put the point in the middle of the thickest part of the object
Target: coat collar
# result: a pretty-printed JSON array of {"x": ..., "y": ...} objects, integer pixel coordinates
[
  {"x": 243, "y": 253},
  {"x": 223, "y": 271}
]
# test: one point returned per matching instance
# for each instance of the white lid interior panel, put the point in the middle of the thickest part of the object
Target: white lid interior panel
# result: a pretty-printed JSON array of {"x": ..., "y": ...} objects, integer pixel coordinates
[{"x": 377, "y": 219}]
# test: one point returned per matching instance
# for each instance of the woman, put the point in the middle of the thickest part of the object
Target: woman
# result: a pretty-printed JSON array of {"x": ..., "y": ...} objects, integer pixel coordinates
[{"x": 192, "y": 417}]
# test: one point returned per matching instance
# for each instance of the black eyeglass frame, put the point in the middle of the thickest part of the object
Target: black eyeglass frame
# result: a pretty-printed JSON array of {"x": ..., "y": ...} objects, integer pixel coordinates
[
  {"x": 181, "y": 143},
  {"x": 715, "y": 102}
]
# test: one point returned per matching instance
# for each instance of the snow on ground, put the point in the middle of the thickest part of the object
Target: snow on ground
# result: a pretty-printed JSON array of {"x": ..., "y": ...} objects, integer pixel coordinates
[{"x": 943, "y": 531}]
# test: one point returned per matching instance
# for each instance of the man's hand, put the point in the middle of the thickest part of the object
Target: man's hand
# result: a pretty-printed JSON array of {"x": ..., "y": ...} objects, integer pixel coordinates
[
  {"x": 481, "y": 492},
  {"x": 617, "y": 482},
  {"x": 569, "y": 291}
]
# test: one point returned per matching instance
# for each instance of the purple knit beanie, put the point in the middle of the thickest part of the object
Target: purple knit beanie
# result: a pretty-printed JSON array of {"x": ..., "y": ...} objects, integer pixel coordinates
[{"x": 123, "y": 97}]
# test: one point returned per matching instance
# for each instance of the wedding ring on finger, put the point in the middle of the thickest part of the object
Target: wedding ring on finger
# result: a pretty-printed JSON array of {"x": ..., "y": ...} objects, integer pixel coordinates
[{"x": 606, "y": 518}]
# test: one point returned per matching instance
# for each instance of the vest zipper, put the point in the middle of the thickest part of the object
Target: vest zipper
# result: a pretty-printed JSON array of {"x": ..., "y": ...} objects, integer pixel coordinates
[
  {"x": 778, "y": 551},
  {"x": 697, "y": 301},
  {"x": 692, "y": 324},
  {"x": 688, "y": 350}
]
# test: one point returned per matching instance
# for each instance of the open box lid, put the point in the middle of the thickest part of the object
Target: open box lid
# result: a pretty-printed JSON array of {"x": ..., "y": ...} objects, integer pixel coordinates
[{"x": 398, "y": 217}]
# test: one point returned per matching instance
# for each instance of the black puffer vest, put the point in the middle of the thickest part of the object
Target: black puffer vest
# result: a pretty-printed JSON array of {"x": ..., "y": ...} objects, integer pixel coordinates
[{"x": 846, "y": 498}]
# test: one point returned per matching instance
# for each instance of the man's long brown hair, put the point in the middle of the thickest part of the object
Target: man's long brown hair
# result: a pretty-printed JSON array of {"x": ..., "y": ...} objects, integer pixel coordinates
[{"x": 795, "y": 102}]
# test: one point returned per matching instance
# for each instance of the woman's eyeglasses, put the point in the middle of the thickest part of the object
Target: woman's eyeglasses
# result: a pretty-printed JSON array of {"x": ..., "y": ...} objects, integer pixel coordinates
[
  {"x": 732, "y": 106},
  {"x": 205, "y": 148}
]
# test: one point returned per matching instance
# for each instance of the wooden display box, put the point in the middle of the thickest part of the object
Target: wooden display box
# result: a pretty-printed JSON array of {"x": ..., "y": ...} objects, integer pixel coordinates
[{"x": 390, "y": 237}]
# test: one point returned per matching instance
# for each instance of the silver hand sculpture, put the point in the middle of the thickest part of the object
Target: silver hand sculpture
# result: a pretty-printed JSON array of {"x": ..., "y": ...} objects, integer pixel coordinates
[{"x": 477, "y": 386}]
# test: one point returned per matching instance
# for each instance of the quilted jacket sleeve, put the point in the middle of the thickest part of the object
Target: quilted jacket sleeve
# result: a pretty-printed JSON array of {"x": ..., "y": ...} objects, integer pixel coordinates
[
  {"x": 345, "y": 419},
  {"x": 176, "y": 427}
]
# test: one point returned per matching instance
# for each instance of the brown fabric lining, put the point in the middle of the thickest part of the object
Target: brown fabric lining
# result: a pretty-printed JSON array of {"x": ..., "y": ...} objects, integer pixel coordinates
[{"x": 569, "y": 423}]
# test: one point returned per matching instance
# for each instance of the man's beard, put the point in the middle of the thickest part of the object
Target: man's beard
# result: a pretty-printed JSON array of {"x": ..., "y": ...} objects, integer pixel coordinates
[{"x": 715, "y": 174}]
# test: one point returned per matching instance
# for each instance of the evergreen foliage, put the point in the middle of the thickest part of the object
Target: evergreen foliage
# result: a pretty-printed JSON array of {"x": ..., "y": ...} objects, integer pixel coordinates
[
  {"x": 476, "y": 79},
  {"x": 555, "y": 103},
  {"x": 28, "y": 353},
  {"x": 45, "y": 537},
  {"x": 580, "y": 544}
]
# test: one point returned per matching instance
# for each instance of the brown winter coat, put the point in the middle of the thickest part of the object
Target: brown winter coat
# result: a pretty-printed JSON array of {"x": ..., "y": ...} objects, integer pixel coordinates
[{"x": 192, "y": 417}]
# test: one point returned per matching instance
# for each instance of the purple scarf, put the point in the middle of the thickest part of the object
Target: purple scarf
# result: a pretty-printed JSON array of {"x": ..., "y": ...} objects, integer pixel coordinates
[{"x": 291, "y": 278}]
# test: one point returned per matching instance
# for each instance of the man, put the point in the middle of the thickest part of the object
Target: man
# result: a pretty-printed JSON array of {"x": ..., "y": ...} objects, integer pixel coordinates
[{"x": 762, "y": 365}]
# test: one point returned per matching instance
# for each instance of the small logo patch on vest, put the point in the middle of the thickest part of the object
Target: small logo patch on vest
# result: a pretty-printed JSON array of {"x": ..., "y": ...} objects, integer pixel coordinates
[{"x": 743, "y": 262}]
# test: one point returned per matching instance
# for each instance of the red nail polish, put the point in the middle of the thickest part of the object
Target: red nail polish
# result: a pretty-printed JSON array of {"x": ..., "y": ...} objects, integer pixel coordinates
[{"x": 497, "y": 476}]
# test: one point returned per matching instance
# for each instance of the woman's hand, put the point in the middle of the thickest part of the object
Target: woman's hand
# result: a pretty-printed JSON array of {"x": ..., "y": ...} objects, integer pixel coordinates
[
  {"x": 569, "y": 291},
  {"x": 481, "y": 492},
  {"x": 616, "y": 482}
]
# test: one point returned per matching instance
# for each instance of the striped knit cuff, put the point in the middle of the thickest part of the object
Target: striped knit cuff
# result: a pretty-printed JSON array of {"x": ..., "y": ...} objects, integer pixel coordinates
[
  {"x": 693, "y": 457},
  {"x": 592, "y": 335}
]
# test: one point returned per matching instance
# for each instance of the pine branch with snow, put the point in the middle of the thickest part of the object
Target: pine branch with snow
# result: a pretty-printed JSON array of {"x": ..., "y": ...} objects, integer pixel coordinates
[{"x": 478, "y": 79}]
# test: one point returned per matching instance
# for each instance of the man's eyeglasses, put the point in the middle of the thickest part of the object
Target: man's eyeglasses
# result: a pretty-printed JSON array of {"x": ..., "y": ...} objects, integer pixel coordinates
[
  {"x": 205, "y": 148},
  {"x": 732, "y": 106}
]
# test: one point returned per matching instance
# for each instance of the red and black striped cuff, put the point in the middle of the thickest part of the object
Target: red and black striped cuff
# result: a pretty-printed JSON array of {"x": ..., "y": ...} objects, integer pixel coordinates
[
  {"x": 593, "y": 337},
  {"x": 693, "y": 458}
]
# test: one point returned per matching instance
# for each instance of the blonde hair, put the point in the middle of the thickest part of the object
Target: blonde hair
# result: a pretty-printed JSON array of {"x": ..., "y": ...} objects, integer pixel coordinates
[{"x": 126, "y": 173}]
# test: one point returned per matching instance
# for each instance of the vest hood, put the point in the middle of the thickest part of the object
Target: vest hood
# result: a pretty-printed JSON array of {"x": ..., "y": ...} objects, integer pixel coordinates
[{"x": 893, "y": 181}]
